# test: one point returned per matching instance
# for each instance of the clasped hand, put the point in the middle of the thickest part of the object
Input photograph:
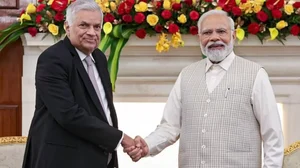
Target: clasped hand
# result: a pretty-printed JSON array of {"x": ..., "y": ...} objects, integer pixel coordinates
[{"x": 136, "y": 148}]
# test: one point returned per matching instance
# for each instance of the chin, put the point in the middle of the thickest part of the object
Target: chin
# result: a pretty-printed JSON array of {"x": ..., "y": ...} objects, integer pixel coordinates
[{"x": 90, "y": 47}]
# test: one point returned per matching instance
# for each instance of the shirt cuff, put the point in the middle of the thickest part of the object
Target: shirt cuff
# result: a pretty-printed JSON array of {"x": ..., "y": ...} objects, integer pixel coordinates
[{"x": 120, "y": 141}]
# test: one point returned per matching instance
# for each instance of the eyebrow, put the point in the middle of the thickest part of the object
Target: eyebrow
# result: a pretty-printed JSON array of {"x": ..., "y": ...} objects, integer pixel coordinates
[
  {"x": 83, "y": 22},
  {"x": 220, "y": 28}
]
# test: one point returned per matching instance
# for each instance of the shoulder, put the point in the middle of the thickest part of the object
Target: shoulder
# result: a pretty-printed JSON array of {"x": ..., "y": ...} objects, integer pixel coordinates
[
  {"x": 57, "y": 54},
  {"x": 248, "y": 62},
  {"x": 98, "y": 53},
  {"x": 56, "y": 51},
  {"x": 195, "y": 65}
]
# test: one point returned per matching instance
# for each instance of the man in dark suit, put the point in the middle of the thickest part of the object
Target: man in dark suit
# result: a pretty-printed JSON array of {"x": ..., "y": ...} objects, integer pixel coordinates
[{"x": 75, "y": 123}]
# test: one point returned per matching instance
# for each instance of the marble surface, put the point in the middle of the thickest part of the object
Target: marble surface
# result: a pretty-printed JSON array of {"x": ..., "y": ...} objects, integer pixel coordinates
[
  {"x": 11, "y": 156},
  {"x": 8, "y": 3}
]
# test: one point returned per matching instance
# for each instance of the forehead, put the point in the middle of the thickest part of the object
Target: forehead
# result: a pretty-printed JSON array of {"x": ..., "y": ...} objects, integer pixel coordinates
[
  {"x": 214, "y": 22},
  {"x": 92, "y": 17}
]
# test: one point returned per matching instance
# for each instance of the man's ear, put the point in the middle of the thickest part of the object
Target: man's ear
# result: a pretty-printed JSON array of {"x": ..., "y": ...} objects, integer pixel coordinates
[
  {"x": 67, "y": 27},
  {"x": 199, "y": 37},
  {"x": 234, "y": 35}
]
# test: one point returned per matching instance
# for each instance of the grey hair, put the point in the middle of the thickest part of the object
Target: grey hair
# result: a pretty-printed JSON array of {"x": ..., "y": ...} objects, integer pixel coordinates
[
  {"x": 78, "y": 5},
  {"x": 215, "y": 12}
]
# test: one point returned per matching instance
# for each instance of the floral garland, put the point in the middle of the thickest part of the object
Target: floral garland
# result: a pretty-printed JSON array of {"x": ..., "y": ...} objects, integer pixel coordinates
[{"x": 267, "y": 19}]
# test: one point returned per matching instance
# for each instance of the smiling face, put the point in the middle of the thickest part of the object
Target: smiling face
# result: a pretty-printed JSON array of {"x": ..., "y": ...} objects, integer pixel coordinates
[
  {"x": 85, "y": 31},
  {"x": 216, "y": 37}
]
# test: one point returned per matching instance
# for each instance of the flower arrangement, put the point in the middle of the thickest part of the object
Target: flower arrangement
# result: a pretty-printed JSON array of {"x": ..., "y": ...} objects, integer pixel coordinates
[{"x": 267, "y": 19}]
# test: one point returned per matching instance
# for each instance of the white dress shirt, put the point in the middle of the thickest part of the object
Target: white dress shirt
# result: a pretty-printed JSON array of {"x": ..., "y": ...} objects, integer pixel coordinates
[
  {"x": 103, "y": 100},
  {"x": 264, "y": 108}
]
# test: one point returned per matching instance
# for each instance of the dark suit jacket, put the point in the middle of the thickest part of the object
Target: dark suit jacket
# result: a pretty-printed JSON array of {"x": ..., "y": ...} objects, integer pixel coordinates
[{"x": 69, "y": 128}]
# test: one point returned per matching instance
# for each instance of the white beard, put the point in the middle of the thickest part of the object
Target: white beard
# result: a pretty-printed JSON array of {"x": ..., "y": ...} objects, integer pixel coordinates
[{"x": 217, "y": 55}]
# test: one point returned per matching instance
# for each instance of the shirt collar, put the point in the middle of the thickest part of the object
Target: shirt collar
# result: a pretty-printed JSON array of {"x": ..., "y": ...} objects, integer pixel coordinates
[
  {"x": 225, "y": 64},
  {"x": 82, "y": 56}
]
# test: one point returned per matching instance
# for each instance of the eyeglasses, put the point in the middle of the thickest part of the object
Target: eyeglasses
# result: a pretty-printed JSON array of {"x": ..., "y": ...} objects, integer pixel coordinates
[{"x": 220, "y": 32}]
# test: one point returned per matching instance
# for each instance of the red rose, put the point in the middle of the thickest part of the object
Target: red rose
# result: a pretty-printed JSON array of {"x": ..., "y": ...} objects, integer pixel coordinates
[
  {"x": 127, "y": 18},
  {"x": 158, "y": 4},
  {"x": 262, "y": 16},
  {"x": 209, "y": 1},
  {"x": 276, "y": 13},
  {"x": 59, "y": 17},
  {"x": 176, "y": 6},
  {"x": 38, "y": 18},
  {"x": 40, "y": 7},
  {"x": 32, "y": 31},
  {"x": 222, "y": 3},
  {"x": 141, "y": 33},
  {"x": 296, "y": 5},
  {"x": 59, "y": 5},
  {"x": 253, "y": 28},
  {"x": 173, "y": 28},
  {"x": 139, "y": 18},
  {"x": 295, "y": 29},
  {"x": 166, "y": 14},
  {"x": 108, "y": 18},
  {"x": 143, "y": 1},
  {"x": 128, "y": 6},
  {"x": 40, "y": 1},
  {"x": 188, "y": 2},
  {"x": 125, "y": 7},
  {"x": 158, "y": 28},
  {"x": 228, "y": 5},
  {"x": 236, "y": 11},
  {"x": 130, "y": 2},
  {"x": 194, "y": 30},
  {"x": 194, "y": 15},
  {"x": 274, "y": 4},
  {"x": 121, "y": 8}
]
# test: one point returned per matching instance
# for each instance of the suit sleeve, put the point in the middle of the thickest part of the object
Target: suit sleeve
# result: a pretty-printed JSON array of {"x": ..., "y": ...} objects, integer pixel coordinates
[{"x": 54, "y": 89}]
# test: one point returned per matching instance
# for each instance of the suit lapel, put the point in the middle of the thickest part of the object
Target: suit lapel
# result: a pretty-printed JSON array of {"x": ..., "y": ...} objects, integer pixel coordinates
[
  {"x": 103, "y": 72},
  {"x": 85, "y": 78}
]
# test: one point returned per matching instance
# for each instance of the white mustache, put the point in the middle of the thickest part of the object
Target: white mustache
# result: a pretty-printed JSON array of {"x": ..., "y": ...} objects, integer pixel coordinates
[{"x": 214, "y": 43}]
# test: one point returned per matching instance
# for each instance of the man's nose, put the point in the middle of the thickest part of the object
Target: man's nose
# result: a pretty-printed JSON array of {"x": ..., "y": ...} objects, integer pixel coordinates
[
  {"x": 91, "y": 31},
  {"x": 214, "y": 36}
]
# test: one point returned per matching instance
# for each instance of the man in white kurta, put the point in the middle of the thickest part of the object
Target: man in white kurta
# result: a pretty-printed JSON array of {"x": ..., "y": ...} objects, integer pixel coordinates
[{"x": 223, "y": 108}]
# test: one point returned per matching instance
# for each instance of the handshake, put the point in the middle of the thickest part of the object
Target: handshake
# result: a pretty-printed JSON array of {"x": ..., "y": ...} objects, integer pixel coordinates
[{"x": 136, "y": 148}]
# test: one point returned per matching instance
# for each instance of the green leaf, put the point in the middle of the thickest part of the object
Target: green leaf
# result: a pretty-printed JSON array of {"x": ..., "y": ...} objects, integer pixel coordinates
[
  {"x": 13, "y": 37},
  {"x": 105, "y": 42},
  {"x": 12, "y": 26},
  {"x": 12, "y": 29},
  {"x": 260, "y": 37},
  {"x": 280, "y": 40},
  {"x": 117, "y": 31},
  {"x": 127, "y": 33},
  {"x": 113, "y": 60}
]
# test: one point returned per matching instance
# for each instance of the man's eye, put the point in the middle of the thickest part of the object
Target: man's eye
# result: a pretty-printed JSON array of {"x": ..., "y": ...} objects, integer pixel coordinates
[
  {"x": 97, "y": 27},
  {"x": 221, "y": 31},
  {"x": 83, "y": 25},
  {"x": 206, "y": 33}
]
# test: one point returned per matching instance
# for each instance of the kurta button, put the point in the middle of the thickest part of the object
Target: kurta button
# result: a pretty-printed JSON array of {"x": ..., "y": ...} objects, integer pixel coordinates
[
  {"x": 205, "y": 115},
  {"x": 208, "y": 100},
  {"x": 203, "y": 146},
  {"x": 202, "y": 162},
  {"x": 203, "y": 130}
]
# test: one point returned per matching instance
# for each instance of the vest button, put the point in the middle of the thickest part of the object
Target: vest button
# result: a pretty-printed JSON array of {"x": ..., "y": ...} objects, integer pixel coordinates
[
  {"x": 203, "y": 130},
  {"x": 205, "y": 115},
  {"x": 208, "y": 100},
  {"x": 203, "y": 146},
  {"x": 202, "y": 162}
]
